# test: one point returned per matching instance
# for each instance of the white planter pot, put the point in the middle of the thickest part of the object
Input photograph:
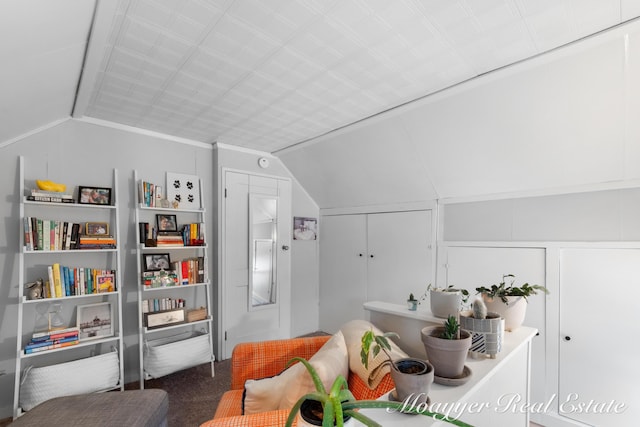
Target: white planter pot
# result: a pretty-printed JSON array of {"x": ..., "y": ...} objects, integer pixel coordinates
[
  {"x": 444, "y": 304},
  {"x": 513, "y": 312}
]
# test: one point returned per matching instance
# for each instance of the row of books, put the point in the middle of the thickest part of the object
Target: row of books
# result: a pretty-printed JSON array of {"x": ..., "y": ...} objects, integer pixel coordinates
[
  {"x": 42, "y": 341},
  {"x": 149, "y": 194},
  {"x": 38, "y": 195},
  {"x": 161, "y": 304},
  {"x": 69, "y": 281},
  {"x": 55, "y": 235}
]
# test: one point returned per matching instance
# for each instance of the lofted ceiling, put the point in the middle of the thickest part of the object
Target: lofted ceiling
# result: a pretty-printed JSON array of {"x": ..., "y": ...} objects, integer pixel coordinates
[{"x": 263, "y": 75}]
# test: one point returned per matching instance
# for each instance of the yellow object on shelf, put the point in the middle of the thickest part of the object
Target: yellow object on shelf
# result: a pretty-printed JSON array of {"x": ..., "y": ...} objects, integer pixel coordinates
[{"x": 50, "y": 186}]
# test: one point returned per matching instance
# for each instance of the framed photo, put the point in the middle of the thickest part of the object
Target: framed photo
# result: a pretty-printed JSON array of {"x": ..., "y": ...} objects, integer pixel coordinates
[
  {"x": 183, "y": 191},
  {"x": 160, "y": 319},
  {"x": 94, "y": 195},
  {"x": 157, "y": 262},
  {"x": 305, "y": 228},
  {"x": 95, "y": 321},
  {"x": 166, "y": 222},
  {"x": 105, "y": 283},
  {"x": 96, "y": 228}
]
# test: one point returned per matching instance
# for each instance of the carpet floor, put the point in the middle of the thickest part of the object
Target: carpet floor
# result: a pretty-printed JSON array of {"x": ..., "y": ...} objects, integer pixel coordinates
[{"x": 193, "y": 393}]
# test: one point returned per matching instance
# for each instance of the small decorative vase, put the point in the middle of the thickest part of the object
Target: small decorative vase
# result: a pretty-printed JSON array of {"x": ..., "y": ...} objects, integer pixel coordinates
[
  {"x": 446, "y": 356},
  {"x": 412, "y": 304},
  {"x": 444, "y": 303},
  {"x": 513, "y": 312},
  {"x": 413, "y": 379}
]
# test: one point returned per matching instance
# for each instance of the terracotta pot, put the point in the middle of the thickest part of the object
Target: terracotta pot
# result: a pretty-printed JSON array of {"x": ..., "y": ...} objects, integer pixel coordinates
[
  {"x": 414, "y": 385},
  {"x": 513, "y": 312},
  {"x": 445, "y": 303},
  {"x": 446, "y": 356}
]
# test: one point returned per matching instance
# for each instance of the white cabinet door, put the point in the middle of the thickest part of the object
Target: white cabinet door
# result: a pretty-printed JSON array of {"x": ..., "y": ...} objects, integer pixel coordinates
[
  {"x": 369, "y": 257},
  {"x": 343, "y": 270},
  {"x": 399, "y": 255},
  {"x": 598, "y": 332},
  {"x": 471, "y": 267}
]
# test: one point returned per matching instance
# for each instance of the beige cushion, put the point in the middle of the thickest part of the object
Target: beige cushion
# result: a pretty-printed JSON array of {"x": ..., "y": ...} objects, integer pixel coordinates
[
  {"x": 379, "y": 366},
  {"x": 283, "y": 390}
]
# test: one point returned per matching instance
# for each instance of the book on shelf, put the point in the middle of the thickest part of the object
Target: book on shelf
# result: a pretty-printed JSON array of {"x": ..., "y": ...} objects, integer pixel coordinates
[
  {"x": 50, "y": 199},
  {"x": 44, "y": 193},
  {"x": 53, "y": 346},
  {"x": 67, "y": 281},
  {"x": 149, "y": 193},
  {"x": 58, "y": 235},
  {"x": 154, "y": 305},
  {"x": 54, "y": 332}
]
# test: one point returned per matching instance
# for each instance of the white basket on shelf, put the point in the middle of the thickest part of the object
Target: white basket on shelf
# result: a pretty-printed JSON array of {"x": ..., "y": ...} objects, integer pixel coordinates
[
  {"x": 167, "y": 355},
  {"x": 87, "y": 375}
]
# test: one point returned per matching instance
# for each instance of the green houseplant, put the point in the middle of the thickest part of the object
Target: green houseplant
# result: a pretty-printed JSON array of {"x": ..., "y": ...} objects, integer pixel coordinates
[
  {"x": 446, "y": 347},
  {"x": 508, "y": 300},
  {"x": 338, "y": 403},
  {"x": 411, "y": 376}
]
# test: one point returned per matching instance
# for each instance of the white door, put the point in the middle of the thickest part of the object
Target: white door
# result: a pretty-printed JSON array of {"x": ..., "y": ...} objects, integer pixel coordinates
[
  {"x": 241, "y": 322},
  {"x": 343, "y": 270},
  {"x": 399, "y": 255},
  {"x": 598, "y": 333}
]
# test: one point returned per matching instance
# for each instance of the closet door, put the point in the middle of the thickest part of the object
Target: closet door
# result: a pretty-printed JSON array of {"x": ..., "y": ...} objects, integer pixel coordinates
[
  {"x": 598, "y": 330},
  {"x": 399, "y": 255},
  {"x": 343, "y": 270}
]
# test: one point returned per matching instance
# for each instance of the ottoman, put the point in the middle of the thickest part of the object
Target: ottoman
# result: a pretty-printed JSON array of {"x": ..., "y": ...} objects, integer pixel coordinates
[{"x": 131, "y": 408}]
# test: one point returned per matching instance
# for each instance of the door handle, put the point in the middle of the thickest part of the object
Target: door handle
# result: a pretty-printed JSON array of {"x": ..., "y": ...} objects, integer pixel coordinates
[{"x": 285, "y": 247}]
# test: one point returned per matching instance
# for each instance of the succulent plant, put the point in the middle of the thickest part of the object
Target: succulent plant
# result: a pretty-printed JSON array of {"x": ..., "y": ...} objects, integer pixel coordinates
[{"x": 451, "y": 328}]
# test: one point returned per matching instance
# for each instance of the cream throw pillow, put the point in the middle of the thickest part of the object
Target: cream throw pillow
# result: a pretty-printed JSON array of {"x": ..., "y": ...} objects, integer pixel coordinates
[{"x": 283, "y": 390}]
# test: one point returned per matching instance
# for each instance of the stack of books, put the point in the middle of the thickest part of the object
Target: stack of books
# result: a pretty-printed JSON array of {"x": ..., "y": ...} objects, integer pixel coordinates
[
  {"x": 43, "y": 341},
  {"x": 169, "y": 238},
  {"x": 105, "y": 241},
  {"x": 38, "y": 195}
]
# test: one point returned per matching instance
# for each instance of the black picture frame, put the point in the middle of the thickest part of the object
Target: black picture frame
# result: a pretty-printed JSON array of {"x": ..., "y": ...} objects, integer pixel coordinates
[
  {"x": 167, "y": 222},
  {"x": 157, "y": 262},
  {"x": 94, "y": 195},
  {"x": 160, "y": 319}
]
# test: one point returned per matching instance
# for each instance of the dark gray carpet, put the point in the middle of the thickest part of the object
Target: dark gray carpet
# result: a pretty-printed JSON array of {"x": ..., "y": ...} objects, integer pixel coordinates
[{"x": 193, "y": 393}]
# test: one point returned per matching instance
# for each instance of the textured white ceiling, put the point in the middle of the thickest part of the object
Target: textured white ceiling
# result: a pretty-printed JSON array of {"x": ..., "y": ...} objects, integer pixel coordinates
[{"x": 269, "y": 74}]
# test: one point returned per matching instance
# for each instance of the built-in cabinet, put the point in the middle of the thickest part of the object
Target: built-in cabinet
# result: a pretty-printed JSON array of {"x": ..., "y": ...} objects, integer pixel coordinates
[
  {"x": 175, "y": 319},
  {"x": 51, "y": 358},
  {"x": 583, "y": 360},
  {"x": 255, "y": 257},
  {"x": 372, "y": 256}
]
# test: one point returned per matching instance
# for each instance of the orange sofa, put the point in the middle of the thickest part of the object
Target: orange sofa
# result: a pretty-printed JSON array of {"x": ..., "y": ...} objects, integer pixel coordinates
[{"x": 268, "y": 358}]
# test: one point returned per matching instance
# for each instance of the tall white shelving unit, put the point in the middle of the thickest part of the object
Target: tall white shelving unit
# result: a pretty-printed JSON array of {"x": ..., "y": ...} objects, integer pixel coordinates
[
  {"x": 171, "y": 348},
  {"x": 33, "y": 313}
]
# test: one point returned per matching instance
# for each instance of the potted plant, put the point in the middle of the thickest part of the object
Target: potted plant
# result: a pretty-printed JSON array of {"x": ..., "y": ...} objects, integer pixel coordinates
[
  {"x": 410, "y": 375},
  {"x": 339, "y": 403},
  {"x": 446, "y": 348},
  {"x": 412, "y": 303},
  {"x": 446, "y": 301},
  {"x": 509, "y": 301},
  {"x": 486, "y": 327}
]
